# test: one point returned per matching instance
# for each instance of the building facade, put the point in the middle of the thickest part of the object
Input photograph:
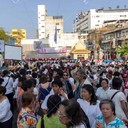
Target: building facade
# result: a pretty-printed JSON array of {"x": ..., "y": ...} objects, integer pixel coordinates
[
  {"x": 47, "y": 25},
  {"x": 94, "y": 19},
  {"x": 114, "y": 38},
  {"x": 19, "y": 34}
]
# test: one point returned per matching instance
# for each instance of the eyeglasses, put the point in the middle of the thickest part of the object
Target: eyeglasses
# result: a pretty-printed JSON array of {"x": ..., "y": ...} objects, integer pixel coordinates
[
  {"x": 65, "y": 75},
  {"x": 60, "y": 114}
]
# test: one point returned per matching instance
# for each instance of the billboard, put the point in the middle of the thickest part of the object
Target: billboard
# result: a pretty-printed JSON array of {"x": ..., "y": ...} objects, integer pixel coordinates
[
  {"x": 52, "y": 50},
  {"x": 13, "y": 52}
]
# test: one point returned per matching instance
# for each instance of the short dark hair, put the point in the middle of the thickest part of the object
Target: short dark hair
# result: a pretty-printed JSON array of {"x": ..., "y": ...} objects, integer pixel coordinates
[
  {"x": 57, "y": 82},
  {"x": 5, "y": 73},
  {"x": 104, "y": 80},
  {"x": 73, "y": 111},
  {"x": 116, "y": 83},
  {"x": 27, "y": 84},
  {"x": 107, "y": 101},
  {"x": 2, "y": 90},
  {"x": 53, "y": 104},
  {"x": 26, "y": 99},
  {"x": 90, "y": 89}
]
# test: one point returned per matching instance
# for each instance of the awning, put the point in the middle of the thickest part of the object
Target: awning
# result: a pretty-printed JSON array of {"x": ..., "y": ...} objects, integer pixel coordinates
[{"x": 85, "y": 51}]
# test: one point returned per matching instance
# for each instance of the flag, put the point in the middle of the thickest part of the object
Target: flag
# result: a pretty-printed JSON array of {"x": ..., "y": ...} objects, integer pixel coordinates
[
  {"x": 93, "y": 43},
  {"x": 86, "y": 43},
  {"x": 55, "y": 35}
]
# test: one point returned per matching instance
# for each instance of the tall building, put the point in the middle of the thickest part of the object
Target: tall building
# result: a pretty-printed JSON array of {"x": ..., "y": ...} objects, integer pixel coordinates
[
  {"x": 94, "y": 19},
  {"x": 47, "y": 25},
  {"x": 19, "y": 34}
]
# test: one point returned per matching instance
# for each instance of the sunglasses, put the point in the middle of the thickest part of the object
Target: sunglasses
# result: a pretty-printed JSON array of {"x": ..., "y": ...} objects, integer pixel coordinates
[{"x": 65, "y": 75}]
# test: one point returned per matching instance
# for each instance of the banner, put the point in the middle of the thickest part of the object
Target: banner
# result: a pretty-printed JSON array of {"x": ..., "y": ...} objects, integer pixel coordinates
[
  {"x": 38, "y": 45},
  {"x": 53, "y": 50},
  {"x": 1, "y": 46}
]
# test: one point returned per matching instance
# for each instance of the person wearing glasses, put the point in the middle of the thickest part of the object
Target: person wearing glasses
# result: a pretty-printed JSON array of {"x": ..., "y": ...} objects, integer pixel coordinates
[
  {"x": 69, "y": 85},
  {"x": 102, "y": 91},
  {"x": 51, "y": 119},
  {"x": 71, "y": 114}
]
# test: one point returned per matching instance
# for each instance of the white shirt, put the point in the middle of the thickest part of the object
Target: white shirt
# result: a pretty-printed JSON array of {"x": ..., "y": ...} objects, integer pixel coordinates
[
  {"x": 117, "y": 101},
  {"x": 44, "y": 104},
  {"x": 79, "y": 126},
  {"x": 5, "y": 112},
  {"x": 101, "y": 93},
  {"x": 9, "y": 87},
  {"x": 92, "y": 111}
]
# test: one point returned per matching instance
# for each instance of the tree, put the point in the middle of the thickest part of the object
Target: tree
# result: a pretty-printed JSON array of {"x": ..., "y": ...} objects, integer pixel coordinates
[
  {"x": 123, "y": 51},
  {"x": 2, "y": 34}
]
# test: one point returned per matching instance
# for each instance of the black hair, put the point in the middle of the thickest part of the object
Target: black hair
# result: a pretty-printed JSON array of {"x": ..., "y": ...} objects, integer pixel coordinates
[
  {"x": 116, "y": 83},
  {"x": 90, "y": 89},
  {"x": 53, "y": 104},
  {"x": 27, "y": 84},
  {"x": 2, "y": 90},
  {"x": 107, "y": 101},
  {"x": 5, "y": 73},
  {"x": 104, "y": 80},
  {"x": 57, "y": 82},
  {"x": 73, "y": 111},
  {"x": 116, "y": 74},
  {"x": 1, "y": 80}
]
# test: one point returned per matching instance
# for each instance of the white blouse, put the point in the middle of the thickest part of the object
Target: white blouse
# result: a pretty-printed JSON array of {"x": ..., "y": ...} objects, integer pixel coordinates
[
  {"x": 92, "y": 111},
  {"x": 5, "y": 112}
]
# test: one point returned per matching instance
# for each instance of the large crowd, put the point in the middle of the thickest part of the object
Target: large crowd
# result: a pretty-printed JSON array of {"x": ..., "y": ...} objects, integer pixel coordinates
[{"x": 64, "y": 94}]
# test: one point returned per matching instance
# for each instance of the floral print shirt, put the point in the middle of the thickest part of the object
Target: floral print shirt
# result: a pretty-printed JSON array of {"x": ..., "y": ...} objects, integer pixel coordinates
[
  {"x": 116, "y": 123},
  {"x": 26, "y": 118}
]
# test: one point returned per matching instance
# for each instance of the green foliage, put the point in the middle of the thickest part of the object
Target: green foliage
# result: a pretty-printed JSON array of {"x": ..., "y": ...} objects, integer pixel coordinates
[
  {"x": 2, "y": 34},
  {"x": 123, "y": 51}
]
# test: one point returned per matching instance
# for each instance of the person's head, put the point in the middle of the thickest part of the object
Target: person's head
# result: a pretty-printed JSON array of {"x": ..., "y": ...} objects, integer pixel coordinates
[
  {"x": 2, "y": 90},
  {"x": 116, "y": 83},
  {"x": 43, "y": 79},
  {"x": 27, "y": 99},
  {"x": 5, "y": 73},
  {"x": 53, "y": 104},
  {"x": 104, "y": 83},
  {"x": 116, "y": 74},
  {"x": 88, "y": 93},
  {"x": 107, "y": 108},
  {"x": 81, "y": 75},
  {"x": 55, "y": 72},
  {"x": 28, "y": 85},
  {"x": 65, "y": 75},
  {"x": 57, "y": 85},
  {"x": 70, "y": 113},
  {"x": 20, "y": 81}
]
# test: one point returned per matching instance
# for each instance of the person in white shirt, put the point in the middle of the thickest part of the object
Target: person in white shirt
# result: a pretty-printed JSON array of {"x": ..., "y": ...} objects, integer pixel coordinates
[
  {"x": 119, "y": 99},
  {"x": 8, "y": 84},
  {"x": 89, "y": 104},
  {"x": 102, "y": 91},
  {"x": 57, "y": 88},
  {"x": 5, "y": 112}
]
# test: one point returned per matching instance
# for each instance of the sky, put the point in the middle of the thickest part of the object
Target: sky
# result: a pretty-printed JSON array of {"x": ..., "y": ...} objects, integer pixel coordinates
[{"x": 22, "y": 14}]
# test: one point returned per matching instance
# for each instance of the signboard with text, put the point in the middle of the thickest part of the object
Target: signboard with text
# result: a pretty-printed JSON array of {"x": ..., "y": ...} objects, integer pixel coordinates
[{"x": 52, "y": 50}]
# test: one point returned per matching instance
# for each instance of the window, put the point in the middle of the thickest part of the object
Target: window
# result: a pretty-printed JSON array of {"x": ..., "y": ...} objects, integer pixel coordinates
[{"x": 57, "y": 23}]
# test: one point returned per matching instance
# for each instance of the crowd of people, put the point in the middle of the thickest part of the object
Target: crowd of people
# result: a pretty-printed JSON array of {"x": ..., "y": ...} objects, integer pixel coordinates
[{"x": 64, "y": 94}]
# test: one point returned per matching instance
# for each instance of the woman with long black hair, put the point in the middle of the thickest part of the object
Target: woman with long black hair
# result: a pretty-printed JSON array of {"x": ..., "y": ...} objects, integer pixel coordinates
[{"x": 89, "y": 103}]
